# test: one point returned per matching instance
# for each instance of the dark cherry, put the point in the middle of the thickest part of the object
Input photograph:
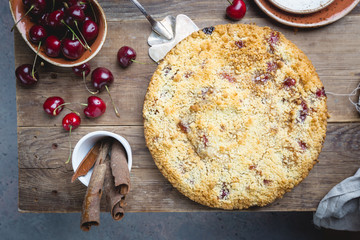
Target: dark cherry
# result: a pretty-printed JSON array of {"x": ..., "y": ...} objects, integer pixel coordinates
[
  {"x": 54, "y": 19},
  {"x": 38, "y": 7},
  {"x": 37, "y": 33},
  {"x": 24, "y": 75},
  {"x": 90, "y": 30},
  {"x": 71, "y": 121},
  {"x": 43, "y": 20},
  {"x": 100, "y": 77},
  {"x": 236, "y": 10},
  {"x": 88, "y": 18},
  {"x": 83, "y": 68},
  {"x": 52, "y": 46},
  {"x": 289, "y": 82},
  {"x": 72, "y": 49},
  {"x": 74, "y": 13},
  {"x": 80, "y": 3},
  {"x": 125, "y": 56},
  {"x": 96, "y": 107},
  {"x": 53, "y": 103}
]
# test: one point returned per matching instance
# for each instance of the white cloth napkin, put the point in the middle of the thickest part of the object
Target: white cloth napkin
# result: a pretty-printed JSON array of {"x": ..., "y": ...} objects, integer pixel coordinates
[{"x": 340, "y": 208}]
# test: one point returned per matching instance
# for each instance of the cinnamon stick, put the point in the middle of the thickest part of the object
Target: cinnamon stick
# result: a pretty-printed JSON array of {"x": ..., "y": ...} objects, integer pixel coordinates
[
  {"x": 91, "y": 206},
  {"x": 119, "y": 168},
  {"x": 88, "y": 162},
  {"x": 115, "y": 201}
]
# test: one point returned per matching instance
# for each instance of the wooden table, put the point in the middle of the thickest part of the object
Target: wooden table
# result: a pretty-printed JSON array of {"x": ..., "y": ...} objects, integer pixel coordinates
[{"x": 44, "y": 178}]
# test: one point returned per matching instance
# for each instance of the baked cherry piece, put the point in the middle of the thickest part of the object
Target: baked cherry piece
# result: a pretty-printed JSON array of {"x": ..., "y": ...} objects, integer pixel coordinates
[
  {"x": 236, "y": 10},
  {"x": 72, "y": 49},
  {"x": 102, "y": 78},
  {"x": 37, "y": 33},
  {"x": 52, "y": 105},
  {"x": 89, "y": 30},
  {"x": 96, "y": 107},
  {"x": 24, "y": 75},
  {"x": 125, "y": 56},
  {"x": 52, "y": 46},
  {"x": 81, "y": 70}
]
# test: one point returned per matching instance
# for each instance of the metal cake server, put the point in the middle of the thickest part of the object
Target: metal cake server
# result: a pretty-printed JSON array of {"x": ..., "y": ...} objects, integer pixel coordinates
[{"x": 166, "y": 33}]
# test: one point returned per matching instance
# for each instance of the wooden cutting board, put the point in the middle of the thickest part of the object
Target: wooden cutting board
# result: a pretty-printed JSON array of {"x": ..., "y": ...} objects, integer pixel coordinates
[{"x": 44, "y": 178}]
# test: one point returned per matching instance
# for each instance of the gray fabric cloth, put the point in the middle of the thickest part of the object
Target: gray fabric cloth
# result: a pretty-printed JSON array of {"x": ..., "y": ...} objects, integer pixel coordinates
[{"x": 340, "y": 208}]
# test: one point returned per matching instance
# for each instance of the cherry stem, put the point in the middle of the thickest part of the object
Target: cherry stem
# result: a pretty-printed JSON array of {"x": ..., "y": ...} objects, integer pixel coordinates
[
  {"x": 53, "y": 5},
  {"x": 32, "y": 6},
  {"x": 66, "y": 5},
  {"x": 138, "y": 62},
  {"x": 70, "y": 145},
  {"x": 64, "y": 104},
  {"x": 112, "y": 102},
  {"x": 74, "y": 34},
  {"x": 93, "y": 11},
  {"x": 84, "y": 78},
  {"x": 230, "y": 2},
  {"x": 82, "y": 36},
  {"x": 33, "y": 67}
]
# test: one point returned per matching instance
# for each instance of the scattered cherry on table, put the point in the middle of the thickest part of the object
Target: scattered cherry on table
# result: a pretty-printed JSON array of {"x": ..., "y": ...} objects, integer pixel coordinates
[
  {"x": 96, "y": 107},
  {"x": 25, "y": 75},
  {"x": 126, "y": 56},
  {"x": 236, "y": 10},
  {"x": 53, "y": 105}
]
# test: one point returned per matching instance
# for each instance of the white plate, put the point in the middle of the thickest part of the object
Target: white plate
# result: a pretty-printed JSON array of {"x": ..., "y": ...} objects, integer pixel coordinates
[
  {"x": 84, "y": 145},
  {"x": 301, "y": 6}
]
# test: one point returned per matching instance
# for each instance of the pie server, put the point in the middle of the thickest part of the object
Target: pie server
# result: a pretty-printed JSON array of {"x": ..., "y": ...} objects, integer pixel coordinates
[{"x": 166, "y": 33}]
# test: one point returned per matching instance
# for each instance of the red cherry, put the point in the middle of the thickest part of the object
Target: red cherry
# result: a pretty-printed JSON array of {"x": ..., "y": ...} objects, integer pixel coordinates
[
  {"x": 90, "y": 30},
  {"x": 43, "y": 21},
  {"x": 24, "y": 76},
  {"x": 71, "y": 121},
  {"x": 37, "y": 6},
  {"x": 53, "y": 103},
  {"x": 37, "y": 33},
  {"x": 81, "y": 69},
  {"x": 96, "y": 107},
  {"x": 101, "y": 77},
  {"x": 54, "y": 19},
  {"x": 80, "y": 3},
  {"x": 52, "y": 46},
  {"x": 74, "y": 13},
  {"x": 125, "y": 56},
  {"x": 72, "y": 49},
  {"x": 236, "y": 10}
]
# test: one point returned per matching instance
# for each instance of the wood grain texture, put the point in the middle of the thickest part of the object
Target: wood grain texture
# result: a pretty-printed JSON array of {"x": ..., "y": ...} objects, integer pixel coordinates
[{"x": 44, "y": 178}]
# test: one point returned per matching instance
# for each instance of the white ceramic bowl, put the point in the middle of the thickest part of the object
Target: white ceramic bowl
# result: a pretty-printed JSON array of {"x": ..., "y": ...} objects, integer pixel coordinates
[{"x": 84, "y": 145}]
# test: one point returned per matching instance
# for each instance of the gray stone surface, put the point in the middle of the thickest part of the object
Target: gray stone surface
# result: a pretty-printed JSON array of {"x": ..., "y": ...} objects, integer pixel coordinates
[{"x": 220, "y": 225}]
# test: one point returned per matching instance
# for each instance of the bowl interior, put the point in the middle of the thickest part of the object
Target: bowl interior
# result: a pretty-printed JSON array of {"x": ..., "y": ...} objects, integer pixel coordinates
[
  {"x": 18, "y": 10},
  {"x": 84, "y": 145}
]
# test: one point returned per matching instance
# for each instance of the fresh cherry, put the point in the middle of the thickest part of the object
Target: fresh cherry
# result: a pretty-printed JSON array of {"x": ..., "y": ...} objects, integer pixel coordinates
[
  {"x": 236, "y": 10},
  {"x": 72, "y": 49},
  {"x": 126, "y": 55},
  {"x": 26, "y": 76},
  {"x": 36, "y": 7},
  {"x": 81, "y": 70},
  {"x": 55, "y": 19},
  {"x": 52, "y": 46},
  {"x": 102, "y": 78},
  {"x": 90, "y": 30},
  {"x": 43, "y": 20},
  {"x": 53, "y": 105},
  {"x": 80, "y": 3},
  {"x": 74, "y": 14},
  {"x": 96, "y": 107},
  {"x": 37, "y": 33},
  {"x": 71, "y": 121}
]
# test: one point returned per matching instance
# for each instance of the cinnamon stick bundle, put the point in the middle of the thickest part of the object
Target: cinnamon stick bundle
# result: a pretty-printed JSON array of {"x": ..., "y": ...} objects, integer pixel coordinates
[
  {"x": 119, "y": 168},
  {"x": 91, "y": 206},
  {"x": 115, "y": 201}
]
